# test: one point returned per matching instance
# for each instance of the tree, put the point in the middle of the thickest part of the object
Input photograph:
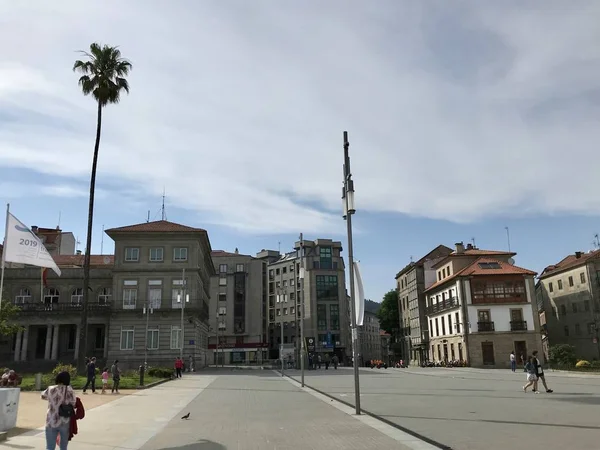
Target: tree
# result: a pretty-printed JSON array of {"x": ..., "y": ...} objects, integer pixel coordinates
[
  {"x": 7, "y": 313},
  {"x": 389, "y": 314},
  {"x": 562, "y": 355},
  {"x": 103, "y": 76}
]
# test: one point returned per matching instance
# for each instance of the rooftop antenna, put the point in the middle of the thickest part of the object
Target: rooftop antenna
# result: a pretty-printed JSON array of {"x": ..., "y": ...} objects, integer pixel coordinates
[
  {"x": 102, "y": 242},
  {"x": 164, "y": 214},
  {"x": 411, "y": 258},
  {"x": 58, "y": 226},
  {"x": 473, "y": 241},
  {"x": 508, "y": 237},
  {"x": 279, "y": 247},
  {"x": 148, "y": 220},
  {"x": 77, "y": 242},
  {"x": 596, "y": 241}
]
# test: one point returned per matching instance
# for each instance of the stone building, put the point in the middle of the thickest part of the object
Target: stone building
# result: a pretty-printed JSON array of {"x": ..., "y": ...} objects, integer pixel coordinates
[
  {"x": 134, "y": 312},
  {"x": 569, "y": 295},
  {"x": 481, "y": 308},
  {"x": 370, "y": 339}
]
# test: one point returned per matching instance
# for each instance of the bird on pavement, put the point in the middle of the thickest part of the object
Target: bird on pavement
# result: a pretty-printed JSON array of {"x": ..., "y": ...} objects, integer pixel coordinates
[{"x": 187, "y": 416}]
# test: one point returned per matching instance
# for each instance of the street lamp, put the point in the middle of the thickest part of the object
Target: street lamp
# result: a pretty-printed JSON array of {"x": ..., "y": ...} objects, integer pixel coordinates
[
  {"x": 281, "y": 296},
  {"x": 301, "y": 277},
  {"x": 349, "y": 210},
  {"x": 147, "y": 311}
]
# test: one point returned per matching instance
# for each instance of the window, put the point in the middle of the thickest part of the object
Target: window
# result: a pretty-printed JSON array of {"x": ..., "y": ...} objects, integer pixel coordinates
[
  {"x": 591, "y": 327},
  {"x": 77, "y": 296},
  {"x": 223, "y": 281},
  {"x": 566, "y": 330},
  {"x": 52, "y": 296},
  {"x": 457, "y": 323},
  {"x": 240, "y": 268},
  {"x": 24, "y": 296},
  {"x": 563, "y": 310},
  {"x": 130, "y": 293},
  {"x": 489, "y": 265},
  {"x": 292, "y": 310},
  {"x": 322, "y": 317},
  {"x": 586, "y": 305},
  {"x": 132, "y": 254},
  {"x": 284, "y": 270},
  {"x": 443, "y": 326},
  {"x": 155, "y": 293},
  {"x": 582, "y": 277},
  {"x": 156, "y": 254},
  {"x": 222, "y": 268},
  {"x": 437, "y": 327},
  {"x": 222, "y": 325},
  {"x": 550, "y": 287},
  {"x": 498, "y": 290},
  {"x": 127, "y": 338},
  {"x": 152, "y": 341},
  {"x": 334, "y": 317},
  {"x": 104, "y": 296},
  {"x": 279, "y": 312},
  {"x": 450, "y": 324},
  {"x": 577, "y": 329},
  {"x": 574, "y": 307},
  {"x": 285, "y": 311},
  {"x": 176, "y": 337},
  {"x": 222, "y": 310},
  {"x": 571, "y": 281},
  {"x": 559, "y": 282},
  {"x": 327, "y": 287},
  {"x": 180, "y": 254},
  {"x": 325, "y": 256},
  {"x": 176, "y": 289}
]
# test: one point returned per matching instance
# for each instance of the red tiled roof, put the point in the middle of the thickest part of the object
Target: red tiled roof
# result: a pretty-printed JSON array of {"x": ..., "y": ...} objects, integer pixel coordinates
[
  {"x": 77, "y": 260},
  {"x": 569, "y": 262},
  {"x": 474, "y": 270},
  {"x": 224, "y": 253},
  {"x": 478, "y": 251},
  {"x": 159, "y": 226}
]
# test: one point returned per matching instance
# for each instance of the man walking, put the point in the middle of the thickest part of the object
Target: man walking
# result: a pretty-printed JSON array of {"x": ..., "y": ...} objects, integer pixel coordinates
[
  {"x": 91, "y": 376},
  {"x": 540, "y": 371}
]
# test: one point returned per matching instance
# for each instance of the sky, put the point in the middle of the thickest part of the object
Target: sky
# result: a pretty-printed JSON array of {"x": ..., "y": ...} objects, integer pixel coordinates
[{"x": 464, "y": 118}]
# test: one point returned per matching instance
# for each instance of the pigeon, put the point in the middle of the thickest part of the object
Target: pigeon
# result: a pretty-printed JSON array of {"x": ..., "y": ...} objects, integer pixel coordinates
[{"x": 187, "y": 416}]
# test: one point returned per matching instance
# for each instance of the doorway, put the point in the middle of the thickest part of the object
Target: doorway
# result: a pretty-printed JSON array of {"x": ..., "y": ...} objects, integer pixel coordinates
[
  {"x": 521, "y": 351},
  {"x": 40, "y": 343},
  {"x": 487, "y": 352}
]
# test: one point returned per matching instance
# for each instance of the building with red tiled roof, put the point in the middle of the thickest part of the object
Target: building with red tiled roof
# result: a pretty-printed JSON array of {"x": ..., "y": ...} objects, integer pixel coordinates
[
  {"x": 568, "y": 295},
  {"x": 481, "y": 308}
]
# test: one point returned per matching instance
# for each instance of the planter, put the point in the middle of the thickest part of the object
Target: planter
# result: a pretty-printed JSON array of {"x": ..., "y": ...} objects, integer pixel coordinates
[{"x": 9, "y": 405}]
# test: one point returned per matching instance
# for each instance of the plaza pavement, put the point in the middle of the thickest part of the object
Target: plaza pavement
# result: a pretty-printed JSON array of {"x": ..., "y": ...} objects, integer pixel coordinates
[
  {"x": 228, "y": 410},
  {"x": 474, "y": 409}
]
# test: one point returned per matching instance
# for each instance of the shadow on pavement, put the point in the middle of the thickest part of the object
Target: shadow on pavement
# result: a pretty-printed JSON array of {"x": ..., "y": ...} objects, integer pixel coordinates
[{"x": 202, "y": 444}]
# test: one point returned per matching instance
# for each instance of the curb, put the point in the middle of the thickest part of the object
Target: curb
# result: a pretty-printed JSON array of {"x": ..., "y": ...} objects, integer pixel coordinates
[
  {"x": 151, "y": 385},
  {"x": 382, "y": 419}
]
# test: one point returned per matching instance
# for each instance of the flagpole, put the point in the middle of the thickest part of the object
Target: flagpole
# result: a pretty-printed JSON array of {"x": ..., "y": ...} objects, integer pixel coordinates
[
  {"x": 4, "y": 254},
  {"x": 42, "y": 284}
]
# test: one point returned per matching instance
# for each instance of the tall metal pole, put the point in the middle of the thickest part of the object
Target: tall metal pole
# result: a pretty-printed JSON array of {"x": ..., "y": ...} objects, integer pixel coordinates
[
  {"x": 147, "y": 312},
  {"x": 508, "y": 237},
  {"x": 349, "y": 209},
  {"x": 302, "y": 344},
  {"x": 281, "y": 300}
]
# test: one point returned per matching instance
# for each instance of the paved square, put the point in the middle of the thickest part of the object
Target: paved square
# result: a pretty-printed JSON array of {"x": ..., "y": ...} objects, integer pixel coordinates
[{"x": 474, "y": 409}]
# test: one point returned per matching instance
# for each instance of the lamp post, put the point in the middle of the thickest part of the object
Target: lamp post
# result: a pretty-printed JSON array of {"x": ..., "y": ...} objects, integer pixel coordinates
[
  {"x": 180, "y": 299},
  {"x": 301, "y": 276},
  {"x": 349, "y": 210},
  {"x": 281, "y": 296},
  {"x": 147, "y": 311}
]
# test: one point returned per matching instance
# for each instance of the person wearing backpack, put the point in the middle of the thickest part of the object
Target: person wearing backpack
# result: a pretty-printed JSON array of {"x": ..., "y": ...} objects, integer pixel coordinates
[{"x": 61, "y": 407}]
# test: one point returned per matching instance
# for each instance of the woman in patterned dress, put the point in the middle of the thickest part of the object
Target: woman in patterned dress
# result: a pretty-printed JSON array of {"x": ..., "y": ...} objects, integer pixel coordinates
[{"x": 59, "y": 394}]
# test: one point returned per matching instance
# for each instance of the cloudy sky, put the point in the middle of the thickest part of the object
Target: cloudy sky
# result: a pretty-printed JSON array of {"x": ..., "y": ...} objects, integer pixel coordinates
[{"x": 464, "y": 118}]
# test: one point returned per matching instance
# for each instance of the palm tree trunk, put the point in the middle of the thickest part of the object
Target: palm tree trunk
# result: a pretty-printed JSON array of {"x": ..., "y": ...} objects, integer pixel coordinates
[{"x": 83, "y": 336}]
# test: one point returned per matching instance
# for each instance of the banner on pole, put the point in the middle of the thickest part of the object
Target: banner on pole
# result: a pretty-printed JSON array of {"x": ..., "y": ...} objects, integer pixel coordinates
[
  {"x": 22, "y": 246},
  {"x": 359, "y": 294}
]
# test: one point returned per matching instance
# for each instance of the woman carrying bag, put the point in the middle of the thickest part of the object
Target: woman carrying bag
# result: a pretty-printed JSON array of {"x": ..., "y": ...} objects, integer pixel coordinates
[{"x": 61, "y": 407}]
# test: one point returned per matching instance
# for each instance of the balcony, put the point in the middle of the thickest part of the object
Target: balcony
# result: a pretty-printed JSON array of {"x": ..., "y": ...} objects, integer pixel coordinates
[
  {"x": 518, "y": 325},
  {"x": 444, "y": 305},
  {"x": 94, "y": 307},
  {"x": 485, "y": 326}
]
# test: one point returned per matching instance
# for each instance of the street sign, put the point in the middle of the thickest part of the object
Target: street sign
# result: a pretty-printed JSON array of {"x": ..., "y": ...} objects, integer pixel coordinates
[{"x": 310, "y": 344}]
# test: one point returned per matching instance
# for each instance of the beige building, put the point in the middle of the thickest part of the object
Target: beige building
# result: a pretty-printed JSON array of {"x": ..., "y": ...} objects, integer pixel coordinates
[
  {"x": 238, "y": 309},
  {"x": 369, "y": 338},
  {"x": 134, "y": 313},
  {"x": 481, "y": 308},
  {"x": 569, "y": 292}
]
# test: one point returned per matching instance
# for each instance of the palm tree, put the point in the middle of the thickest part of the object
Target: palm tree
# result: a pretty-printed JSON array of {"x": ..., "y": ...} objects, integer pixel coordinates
[{"x": 103, "y": 76}]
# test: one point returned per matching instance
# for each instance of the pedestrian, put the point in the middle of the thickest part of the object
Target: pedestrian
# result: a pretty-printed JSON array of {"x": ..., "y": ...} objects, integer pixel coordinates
[
  {"x": 531, "y": 376},
  {"x": 513, "y": 361},
  {"x": 335, "y": 360},
  {"x": 61, "y": 407},
  {"x": 91, "y": 376},
  {"x": 116, "y": 376},
  {"x": 327, "y": 361},
  {"x": 539, "y": 371},
  {"x": 178, "y": 367},
  {"x": 104, "y": 380}
]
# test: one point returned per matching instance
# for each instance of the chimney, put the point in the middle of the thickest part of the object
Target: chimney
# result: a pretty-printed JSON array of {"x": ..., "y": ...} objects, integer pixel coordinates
[
  {"x": 79, "y": 252},
  {"x": 34, "y": 228},
  {"x": 460, "y": 247},
  {"x": 469, "y": 246},
  {"x": 577, "y": 255},
  {"x": 237, "y": 252}
]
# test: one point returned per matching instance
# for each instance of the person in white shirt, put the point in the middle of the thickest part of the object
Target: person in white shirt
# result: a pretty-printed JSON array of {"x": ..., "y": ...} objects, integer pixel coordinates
[{"x": 513, "y": 362}]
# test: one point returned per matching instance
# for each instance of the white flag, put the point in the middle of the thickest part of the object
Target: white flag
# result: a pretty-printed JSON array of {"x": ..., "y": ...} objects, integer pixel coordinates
[
  {"x": 24, "y": 247},
  {"x": 359, "y": 296}
]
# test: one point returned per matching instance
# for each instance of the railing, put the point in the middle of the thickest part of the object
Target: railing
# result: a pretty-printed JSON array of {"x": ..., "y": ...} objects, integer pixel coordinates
[
  {"x": 93, "y": 307},
  {"x": 485, "y": 326},
  {"x": 518, "y": 325},
  {"x": 448, "y": 303}
]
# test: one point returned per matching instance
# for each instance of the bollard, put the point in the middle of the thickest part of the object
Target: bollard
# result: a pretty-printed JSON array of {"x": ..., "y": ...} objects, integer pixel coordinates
[
  {"x": 38, "y": 381},
  {"x": 142, "y": 369}
]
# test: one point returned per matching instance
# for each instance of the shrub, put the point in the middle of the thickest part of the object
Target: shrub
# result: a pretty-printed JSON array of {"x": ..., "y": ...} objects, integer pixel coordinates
[
  {"x": 595, "y": 364},
  {"x": 160, "y": 372},
  {"x": 583, "y": 364},
  {"x": 562, "y": 354},
  {"x": 60, "y": 367}
]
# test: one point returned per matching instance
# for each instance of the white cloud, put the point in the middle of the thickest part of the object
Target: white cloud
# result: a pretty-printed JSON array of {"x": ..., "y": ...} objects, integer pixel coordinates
[
  {"x": 238, "y": 109},
  {"x": 11, "y": 189}
]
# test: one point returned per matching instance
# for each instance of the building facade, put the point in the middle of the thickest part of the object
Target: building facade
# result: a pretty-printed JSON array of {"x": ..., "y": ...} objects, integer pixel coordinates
[
  {"x": 326, "y": 308},
  {"x": 411, "y": 283},
  {"x": 569, "y": 294},
  {"x": 134, "y": 312},
  {"x": 238, "y": 326},
  {"x": 481, "y": 308},
  {"x": 369, "y": 338}
]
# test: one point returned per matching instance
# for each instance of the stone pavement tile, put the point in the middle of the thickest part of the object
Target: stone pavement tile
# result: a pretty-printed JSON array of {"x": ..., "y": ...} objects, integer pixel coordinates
[
  {"x": 261, "y": 411},
  {"x": 129, "y": 421}
]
